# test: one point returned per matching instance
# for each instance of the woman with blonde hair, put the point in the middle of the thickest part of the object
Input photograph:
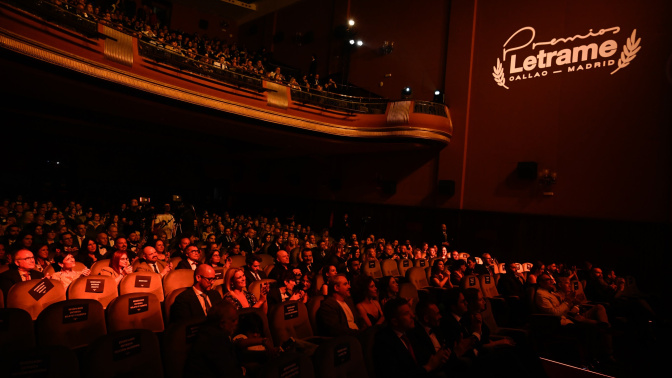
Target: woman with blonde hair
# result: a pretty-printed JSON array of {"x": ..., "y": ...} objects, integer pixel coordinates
[{"x": 236, "y": 293}]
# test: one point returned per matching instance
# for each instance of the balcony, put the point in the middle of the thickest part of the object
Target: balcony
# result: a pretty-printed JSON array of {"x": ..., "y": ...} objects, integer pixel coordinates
[{"x": 105, "y": 51}]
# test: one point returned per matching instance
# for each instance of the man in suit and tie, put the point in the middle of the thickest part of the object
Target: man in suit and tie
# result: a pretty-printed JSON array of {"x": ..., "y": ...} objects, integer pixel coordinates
[
  {"x": 149, "y": 262},
  {"x": 80, "y": 235},
  {"x": 247, "y": 242},
  {"x": 394, "y": 353},
  {"x": 252, "y": 269},
  {"x": 24, "y": 270},
  {"x": 192, "y": 260},
  {"x": 306, "y": 265},
  {"x": 197, "y": 300}
]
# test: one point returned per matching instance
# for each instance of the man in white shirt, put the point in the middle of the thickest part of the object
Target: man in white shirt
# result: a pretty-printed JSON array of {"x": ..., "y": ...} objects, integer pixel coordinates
[{"x": 335, "y": 317}]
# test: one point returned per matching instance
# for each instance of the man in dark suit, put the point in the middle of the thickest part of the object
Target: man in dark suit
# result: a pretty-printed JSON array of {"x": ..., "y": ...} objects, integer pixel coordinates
[
  {"x": 252, "y": 269},
  {"x": 394, "y": 353},
  {"x": 306, "y": 265},
  {"x": 192, "y": 261},
  {"x": 335, "y": 317},
  {"x": 23, "y": 270},
  {"x": 149, "y": 262},
  {"x": 197, "y": 300},
  {"x": 213, "y": 354},
  {"x": 247, "y": 242}
]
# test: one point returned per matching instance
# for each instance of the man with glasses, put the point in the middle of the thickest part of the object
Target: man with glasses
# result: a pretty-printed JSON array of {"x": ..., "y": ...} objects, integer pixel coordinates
[
  {"x": 24, "y": 270},
  {"x": 150, "y": 263},
  {"x": 193, "y": 258},
  {"x": 197, "y": 300}
]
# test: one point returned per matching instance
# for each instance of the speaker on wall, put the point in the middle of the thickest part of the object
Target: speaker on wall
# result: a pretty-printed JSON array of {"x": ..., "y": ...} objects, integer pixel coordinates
[
  {"x": 527, "y": 170},
  {"x": 447, "y": 187}
]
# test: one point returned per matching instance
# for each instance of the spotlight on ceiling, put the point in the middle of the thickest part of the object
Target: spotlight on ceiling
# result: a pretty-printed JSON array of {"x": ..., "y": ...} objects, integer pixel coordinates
[
  {"x": 352, "y": 41},
  {"x": 359, "y": 42},
  {"x": 351, "y": 22}
]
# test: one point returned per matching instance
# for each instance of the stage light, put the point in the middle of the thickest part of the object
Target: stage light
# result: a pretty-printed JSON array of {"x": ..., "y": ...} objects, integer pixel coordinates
[
  {"x": 438, "y": 97},
  {"x": 351, "y": 22},
  {"x": 436, "y": 93},
  {"x": 352, "y": 41},
  {"x": 359, "y": 42},
  {"x": 406, "y": 93}
]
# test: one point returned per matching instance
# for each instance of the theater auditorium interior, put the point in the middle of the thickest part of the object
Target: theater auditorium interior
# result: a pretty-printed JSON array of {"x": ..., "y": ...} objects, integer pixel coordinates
[{"x": 519, "y": 134}]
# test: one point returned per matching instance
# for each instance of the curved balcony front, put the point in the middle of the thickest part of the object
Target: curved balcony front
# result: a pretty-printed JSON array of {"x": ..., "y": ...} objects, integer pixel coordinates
[{"x": 104, "y": 51}]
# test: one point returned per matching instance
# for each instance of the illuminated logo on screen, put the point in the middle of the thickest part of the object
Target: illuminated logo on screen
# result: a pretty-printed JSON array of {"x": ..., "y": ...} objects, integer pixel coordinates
[{"x": 532, "y": 60}]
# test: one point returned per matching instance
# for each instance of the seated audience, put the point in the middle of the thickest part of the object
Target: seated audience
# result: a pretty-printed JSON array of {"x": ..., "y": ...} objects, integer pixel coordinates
[
  {"x": 197, "y": 300},
  {"x": 22, "y": 270},
  {"x": 336, "y": 315},
  {"x": 365, "y": 297},
  {"x": 236, "y": 292},
  {"x": 66, "y": 274},
  {"x": 119, "y": 267},
  {"x": 149, "y": 262}
]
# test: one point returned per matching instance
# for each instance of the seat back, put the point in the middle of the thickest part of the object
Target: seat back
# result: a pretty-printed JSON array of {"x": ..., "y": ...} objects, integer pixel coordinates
[
  {"x": 421, "y": 263},
  {"x": 340, "y": 357},
  {"x": 266, "y": 260},
  {"x": 253, "y": 311},
  {"x": 131, "y": 352},
  {"x": 527, "y": 266},
  {"x": 409, "y": 292},
  {"x": 577, "y": 286},
  {"x": 16, "y": 329},
  {"x": 178, "y": 278},
  {"x": 268, "y": 268},
  {"x": 255, "y": 287},
  {"x": 290, "y": 319},
  {"x": 471, "y": 281},
  {"x": 488, "y": 286},
  {"x": 220, "y": 272},
  {"x": 390, "y": 268},
  {"x": 500, "y": 268},
  {"x": 372, "y": 268},
  {"x": 312, "y": 306},
  {"x": 291, "y": 364},
  {"x": 135, "y": 311},
  {"x": 101, "y": 288},
  {"x": 176, "y": 344},
  {"x": 237, "y": 261},
  {"x": 489, "y": 318},
  {"x": 47, "y": 362},
  {"x": 142, "y": 282},
  {"x": 417, "y": 277},
  {"x": 35, "y": 295},
  {"x": 73, "y": 323},
  {"x": 98, "y": 266},
  {"x": 170, "y": 299},
  {"x": 367, "y": 339},
  {"x": 403, "y": 265},
  {"x": 175, "y": 260},
  {"x": 464, "y": 256}
]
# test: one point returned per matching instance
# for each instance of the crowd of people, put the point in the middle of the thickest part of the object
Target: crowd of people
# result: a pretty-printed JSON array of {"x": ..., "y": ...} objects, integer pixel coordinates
[
  {"x": 442, "y": 333},
  {"x": 206, "y": 52}
]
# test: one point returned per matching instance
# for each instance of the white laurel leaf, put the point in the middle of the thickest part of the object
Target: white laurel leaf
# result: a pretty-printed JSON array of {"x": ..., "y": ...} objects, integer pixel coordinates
[
  {"x": 629, "y": 52},
  {"x": 498, "y": 74}
]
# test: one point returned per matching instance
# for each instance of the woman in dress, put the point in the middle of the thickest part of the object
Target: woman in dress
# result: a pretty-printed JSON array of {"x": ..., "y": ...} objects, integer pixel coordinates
[
  {"x": 235, "y": 291},
  {"x": 440, "y": 276},
  {"x": 537, "y": 269},
  {"x": 389, "y": 289},
  {"x": 365, "y": 296},
  {"x": 119, "y": 267},
  {"x": 328, "y": 272}
]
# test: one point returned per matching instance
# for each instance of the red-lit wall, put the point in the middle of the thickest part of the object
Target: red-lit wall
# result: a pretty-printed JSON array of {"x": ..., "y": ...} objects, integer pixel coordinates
[{"x": 606, "y": 135}]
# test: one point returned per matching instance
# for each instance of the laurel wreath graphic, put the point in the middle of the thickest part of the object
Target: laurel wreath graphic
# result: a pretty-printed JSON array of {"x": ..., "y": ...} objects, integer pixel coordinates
[
  {"x": 630, "y": 50},
  {"x": 498, "y": 74}
]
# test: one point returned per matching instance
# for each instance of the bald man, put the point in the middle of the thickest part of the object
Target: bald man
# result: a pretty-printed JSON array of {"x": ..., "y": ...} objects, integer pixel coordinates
[
  {"x": 23, "y": 271},
  {"x": 197, "y": 300},
  {"x": 149, "y": 262}
]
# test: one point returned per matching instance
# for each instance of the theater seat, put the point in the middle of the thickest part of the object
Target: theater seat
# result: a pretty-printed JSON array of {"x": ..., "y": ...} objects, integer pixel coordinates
[
  {"x": 390, "y": 268},
  {"x": 403, "y": 265},
  {"x": 255, "y": 287},
  {"x": 312, "y": 306},
  {"x": 142, "y": 282},
  {"x": 367, "y": 339},
  {"x": 73, "y": 323},
  {"x": 488, "y": 286},
  {"x": 421, "y": 263},
  {"x": 266, "y": 260},
  {"x": 417, "y": 277},
  {"x": 372, "y": 268},
  {"x": 43, "y": 362},
  {"x": 177, "y": 341},
  {"x": 35, "y": 295},
  {"x": 16, "y": 329},
  {"x": 471, "y": 281},
  {"x": 409, "y": 292},
  {"x": 290, "y": 364},
  {"x": 253, "y": 311},
  {"x": 98, "y": 266},
  {"x": 135, "y": 311},
  {"x": 340, "y": 357},
  {"x": 268, "y": 269},
  {"x": 176, "y": 279},
  {"x": 237, "y": 261},
  {"x": 101, "y": 288},
  {"x": 290, "y": 319},
  {"x": 126, "y": 353}
]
